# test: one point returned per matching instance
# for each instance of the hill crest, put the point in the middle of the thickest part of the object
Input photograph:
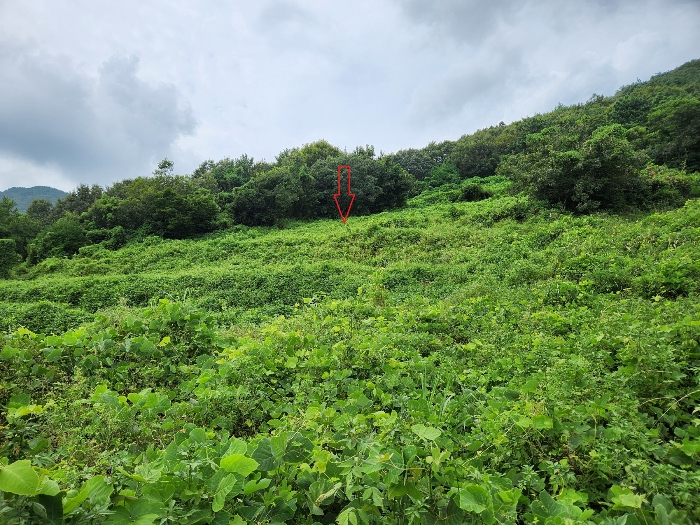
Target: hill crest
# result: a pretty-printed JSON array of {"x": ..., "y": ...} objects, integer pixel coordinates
[{"x": 23, "y": 197}]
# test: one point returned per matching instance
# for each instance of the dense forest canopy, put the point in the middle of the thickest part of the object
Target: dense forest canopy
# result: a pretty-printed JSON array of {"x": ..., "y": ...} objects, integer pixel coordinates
[{"x": 634, "y": 150}]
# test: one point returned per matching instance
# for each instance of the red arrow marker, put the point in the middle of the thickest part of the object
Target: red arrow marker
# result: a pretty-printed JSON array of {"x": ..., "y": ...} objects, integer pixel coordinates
[{"x": 344, "y": 216}]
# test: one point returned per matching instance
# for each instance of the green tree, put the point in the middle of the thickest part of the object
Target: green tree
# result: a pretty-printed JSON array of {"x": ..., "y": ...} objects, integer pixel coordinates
[
  {"x": 225, "y": 174},
  {"x": 41, "y": 210},
  {"x": 478, "y": 155},
  {"x": 676, "y": 125},
  {"x": 630, "y": 110},
  {"x": 251, "y": 206},
  {"x": 440, "y": 175},
  {"x": 8, "y": 257},
  {"x": 202, "y": 211},
  {"x": 8, "y": 209},
  {"x": 165, "y": 167},
  {"x": 63, "y": 238},
  {"x": 417, "y": 162},
  {"x": 77, "y": 201},
  {"x": 23, "y": 229},
  {"x": 611, "y": 171},
  {"x": 16, "y": 226},
  {"x": 311, "y": 153},
  {"x": 265, "y": 199},
  {"x": 602, "y": 173},
  {"x": 379, "y": 184},
  {"x": 169, "y": 206}
]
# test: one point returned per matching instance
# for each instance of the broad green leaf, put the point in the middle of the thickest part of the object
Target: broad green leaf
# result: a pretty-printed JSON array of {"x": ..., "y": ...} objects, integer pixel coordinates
[
  {"x": 198, "y": 435},
  {"x": 505, "y": 503},
  {"x": 530, "y": 386},
  {"x": 424, "y": 432},
  {"x": 546, "y": 507},
  {"x": 134, "y": 476},
  {"x": 322, "y": 490},
  {"x": 19, "y": 478},
  {"x": 239, "y": 464},
  {"x": 226, "y": 485},
  {"x": 625, "y": 499},
  {"x": 542, "y": 422},
  {"x": 134, "y": 397},
  {"x": 523, "y": 422},
  {"x": 236, "y": 446},
  {"x": 473, "y": 498},
  {"x": 94, "y": 488},
  {"x": 54, "y": 355},
  {"x": 24, "y": 411},
  {"x": 123, "y": 517},
  {"x": 254, "y": 486},
  {"x": 140, "y": 511},
  {"x": 47, "y": 486},
  {"x": 278, "y": 445},
  {"x": 8, "y": 353},
  {"x": 409, "y": 453},
  {"x": 263, "y": 455},
  {"x": 396, "y": 490},
  {"x": 632, "y": 501},
  {"x": 19, "y": 400},
  {"x": 53, "y": 508},
  {"x": 689, "y": 448},
  {"x": 160, "y": 492},
  {"x": 291, "y": 447},
  {"x": 375, "y": 495},
  {"x": 348, "y": 516},
  {"x": 38, "y": 444}
]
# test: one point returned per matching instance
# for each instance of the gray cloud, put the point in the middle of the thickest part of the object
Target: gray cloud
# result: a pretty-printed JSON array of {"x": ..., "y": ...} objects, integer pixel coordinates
[
  {"x": 481, "y": 82},
  {"x": 471, "y": 21},
  {"x": 283, "y": 16},
  {"x": 263, "y": 76},
  {"x": 512, "y": 59},
  {"x": 99, "y": 126}
]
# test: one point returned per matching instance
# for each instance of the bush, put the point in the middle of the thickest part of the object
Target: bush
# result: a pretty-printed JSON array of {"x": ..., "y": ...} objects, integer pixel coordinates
[
  {"x": 112, "y": 239},
  {"x": 601, "y": 173},
  {"x": 473, "y": 192},
  {"x": 63, "y": 238},
  {"x": 43, "y": 317},
  {"x": 669, "y": 187}
]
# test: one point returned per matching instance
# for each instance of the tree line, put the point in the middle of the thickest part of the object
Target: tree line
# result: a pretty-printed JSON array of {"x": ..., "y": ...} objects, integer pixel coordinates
[
  {"x": 636, "y": 149},
  {"x": 632, "y": 149}
]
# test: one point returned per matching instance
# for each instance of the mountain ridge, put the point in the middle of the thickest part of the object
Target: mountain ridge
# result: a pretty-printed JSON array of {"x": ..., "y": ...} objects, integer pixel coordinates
[{"x": 23, "y": 196}]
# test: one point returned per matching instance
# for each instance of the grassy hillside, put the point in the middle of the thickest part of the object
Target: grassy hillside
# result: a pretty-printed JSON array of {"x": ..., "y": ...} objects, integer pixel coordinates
[
  {"x": 472, "y": 362},
  {"x": 23, "y": 197}
]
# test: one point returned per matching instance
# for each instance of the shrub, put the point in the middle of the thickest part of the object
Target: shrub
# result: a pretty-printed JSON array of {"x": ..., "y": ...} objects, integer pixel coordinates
[{"x": 473, "y": 192}]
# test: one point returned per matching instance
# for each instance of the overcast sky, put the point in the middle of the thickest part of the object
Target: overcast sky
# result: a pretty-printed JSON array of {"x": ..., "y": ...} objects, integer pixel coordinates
[{"x": 95, "y": 91}]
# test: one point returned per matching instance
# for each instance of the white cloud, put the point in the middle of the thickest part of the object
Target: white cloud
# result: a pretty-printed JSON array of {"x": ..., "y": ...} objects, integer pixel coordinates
[
  {"x": 102, "y": 91},
  {"x": 25, "y": 174},
  {"x": 84, "y": 127}
]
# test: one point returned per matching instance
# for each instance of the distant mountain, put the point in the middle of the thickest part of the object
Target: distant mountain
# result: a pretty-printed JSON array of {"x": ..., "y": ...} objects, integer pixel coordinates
[{"x": 23, "y": 197}]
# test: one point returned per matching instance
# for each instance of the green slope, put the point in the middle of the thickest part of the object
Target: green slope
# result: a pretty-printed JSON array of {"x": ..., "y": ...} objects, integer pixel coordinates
[
  {"x": 471, "y": 362},
  {"x": 23, "y": 197}
]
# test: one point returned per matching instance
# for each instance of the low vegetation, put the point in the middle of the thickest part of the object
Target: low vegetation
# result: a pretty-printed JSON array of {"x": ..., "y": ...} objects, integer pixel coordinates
[{"x": 517, "y": 342}]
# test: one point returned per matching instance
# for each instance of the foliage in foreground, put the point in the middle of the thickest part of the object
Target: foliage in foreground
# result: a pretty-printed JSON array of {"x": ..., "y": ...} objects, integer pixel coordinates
[{"x": 492, "y": 366}]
